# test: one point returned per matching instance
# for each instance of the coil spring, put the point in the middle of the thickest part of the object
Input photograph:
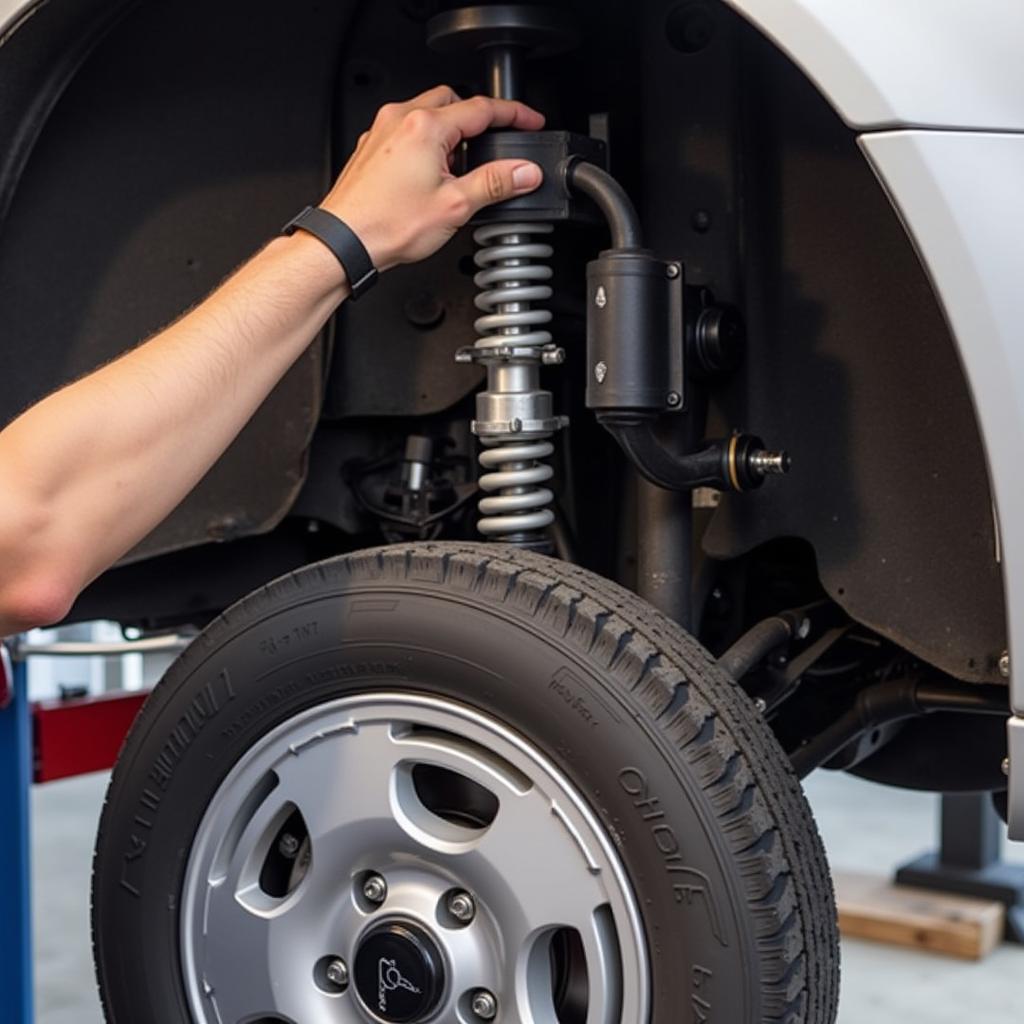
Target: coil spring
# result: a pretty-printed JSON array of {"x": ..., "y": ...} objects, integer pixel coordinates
[
  {"x": 511, "y": 280},
  {"x": 514, "y": 471}
]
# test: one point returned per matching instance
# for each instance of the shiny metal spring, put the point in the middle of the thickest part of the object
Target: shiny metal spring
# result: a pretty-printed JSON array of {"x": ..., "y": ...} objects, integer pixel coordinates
[
  {"x": 515, "y": 470},
  {"x": 510, "y": 282}
]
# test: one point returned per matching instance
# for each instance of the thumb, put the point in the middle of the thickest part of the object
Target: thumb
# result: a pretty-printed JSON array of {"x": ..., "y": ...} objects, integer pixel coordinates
[{"x": 498, "y": 180}]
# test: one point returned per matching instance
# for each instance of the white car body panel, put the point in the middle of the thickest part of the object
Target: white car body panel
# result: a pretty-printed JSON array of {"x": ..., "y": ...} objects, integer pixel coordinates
[
  {"x": 883, "y": 63},
  {"x": 961, "y": 197},
  {"x": 11, "y": 12}
]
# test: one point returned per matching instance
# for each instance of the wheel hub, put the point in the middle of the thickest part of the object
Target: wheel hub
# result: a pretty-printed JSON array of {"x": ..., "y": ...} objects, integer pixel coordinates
[{"x": 399, "y": 972}]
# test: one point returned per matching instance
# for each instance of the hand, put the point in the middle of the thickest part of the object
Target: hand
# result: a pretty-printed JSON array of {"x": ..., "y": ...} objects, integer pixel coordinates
[{"x": 398, "y": 193}]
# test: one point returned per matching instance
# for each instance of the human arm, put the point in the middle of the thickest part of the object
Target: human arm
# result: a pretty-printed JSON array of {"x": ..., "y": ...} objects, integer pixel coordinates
[{"x": 93, "y": 468}]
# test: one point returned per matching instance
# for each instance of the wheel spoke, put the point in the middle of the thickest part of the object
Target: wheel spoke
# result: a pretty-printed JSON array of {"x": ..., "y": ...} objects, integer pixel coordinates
[
  {"x": 267, "y": 967},
  {"x": 556, "y": 882},
  {"x": 240, "y": 976},
  {"x": 341, "y": 786}
]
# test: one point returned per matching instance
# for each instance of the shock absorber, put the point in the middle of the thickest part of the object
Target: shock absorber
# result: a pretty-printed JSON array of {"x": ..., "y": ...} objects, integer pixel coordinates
[{"x": 515, "y": 419}]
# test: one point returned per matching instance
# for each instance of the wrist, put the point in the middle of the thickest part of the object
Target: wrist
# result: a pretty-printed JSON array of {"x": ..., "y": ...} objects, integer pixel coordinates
[
  {"x": 375, "y": 236},
  {"x": 315, "y": 262}
]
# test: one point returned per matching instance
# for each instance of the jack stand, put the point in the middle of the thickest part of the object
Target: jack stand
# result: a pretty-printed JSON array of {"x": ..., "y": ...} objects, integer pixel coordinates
[{"x": 968, "y": 862}]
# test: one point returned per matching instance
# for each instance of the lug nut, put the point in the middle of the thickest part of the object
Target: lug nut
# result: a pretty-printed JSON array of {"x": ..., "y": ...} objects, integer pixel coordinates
[
  {"x": 375, "y": 889},
  {"x": 462, "y": 907},
  {"x": 1004, "y": 665},
  {"x": 337, "y": 973},
  {"x": 288, "y": 846},
  {"x": 484, "y": 1005}
]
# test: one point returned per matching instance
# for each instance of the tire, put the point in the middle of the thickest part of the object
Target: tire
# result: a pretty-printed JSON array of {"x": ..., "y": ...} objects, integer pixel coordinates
[{"x": 681, "y": 801}]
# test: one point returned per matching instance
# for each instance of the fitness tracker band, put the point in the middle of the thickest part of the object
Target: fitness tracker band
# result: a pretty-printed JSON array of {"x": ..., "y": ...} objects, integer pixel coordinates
[{"x": 343, "y": 242}]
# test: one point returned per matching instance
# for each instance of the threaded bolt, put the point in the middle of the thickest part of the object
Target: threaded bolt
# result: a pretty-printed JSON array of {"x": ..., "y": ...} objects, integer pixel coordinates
[
  {"x": 337, "y": 973},
  {"x": 769, "y": 463},
  {"x": 462, "y": 907},
  {"x": 1006, "y": 766},
  {"x": 484, "y": 1005},
  {"x": 1004, "y": 665},
  {"x": 375, "y": 889},
  {"x": 761, "y": 704}
]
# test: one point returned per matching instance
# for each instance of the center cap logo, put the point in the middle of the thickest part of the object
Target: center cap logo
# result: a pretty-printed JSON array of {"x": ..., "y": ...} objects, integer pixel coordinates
[
  {"x": 399, "y": 973},
  {"x": 390, "y": 979}
]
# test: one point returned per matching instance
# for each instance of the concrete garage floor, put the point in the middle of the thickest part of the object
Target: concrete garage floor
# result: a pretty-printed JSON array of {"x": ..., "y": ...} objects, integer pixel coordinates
[{"x": 866, "y": 828}]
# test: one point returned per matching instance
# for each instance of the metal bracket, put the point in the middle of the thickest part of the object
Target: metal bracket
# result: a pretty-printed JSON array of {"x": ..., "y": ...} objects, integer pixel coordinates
[{"x": 675, "y": 396}]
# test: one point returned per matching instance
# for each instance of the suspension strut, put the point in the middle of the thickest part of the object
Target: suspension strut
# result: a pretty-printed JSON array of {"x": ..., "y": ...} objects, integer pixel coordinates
[
  {"x": 640, "y": 325},
  {"x": 515, "y": 420}
]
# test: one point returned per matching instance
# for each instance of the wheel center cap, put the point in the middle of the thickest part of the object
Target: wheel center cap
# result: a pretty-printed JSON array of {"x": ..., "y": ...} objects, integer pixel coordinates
[{"x": 399, "y": 972}]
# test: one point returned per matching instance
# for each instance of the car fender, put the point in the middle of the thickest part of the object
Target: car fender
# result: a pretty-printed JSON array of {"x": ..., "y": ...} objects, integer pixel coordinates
[{"x": 946, "y": 80}]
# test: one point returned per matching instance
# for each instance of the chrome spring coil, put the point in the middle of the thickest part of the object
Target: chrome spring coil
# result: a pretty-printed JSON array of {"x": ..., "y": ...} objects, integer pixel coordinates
[
  {"x": 510, "y": 282},
  {"x": 514, "y": 471}
]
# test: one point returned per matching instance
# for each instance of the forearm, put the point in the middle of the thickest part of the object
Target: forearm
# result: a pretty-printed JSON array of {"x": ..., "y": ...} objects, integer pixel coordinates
[
  {"x": 100, "y": 463},
  {"x": 91, "y": 470}
]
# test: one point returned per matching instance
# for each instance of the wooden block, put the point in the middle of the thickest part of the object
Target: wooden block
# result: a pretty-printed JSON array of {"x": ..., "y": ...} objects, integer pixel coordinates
[{"x": 873, "y": 908}]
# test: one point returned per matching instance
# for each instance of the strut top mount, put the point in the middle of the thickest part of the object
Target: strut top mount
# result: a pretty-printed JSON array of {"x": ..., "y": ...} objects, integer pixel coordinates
[
  {"x": 505, "y": 35},
  {"x": 537, "y": 31}
]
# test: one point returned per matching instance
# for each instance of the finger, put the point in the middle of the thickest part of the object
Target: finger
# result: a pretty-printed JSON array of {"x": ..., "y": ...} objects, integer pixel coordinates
[
  {"x": 467, "y": 118},
  {"x": 498, "y": 180},
  {"x": 439, "y": 96}
]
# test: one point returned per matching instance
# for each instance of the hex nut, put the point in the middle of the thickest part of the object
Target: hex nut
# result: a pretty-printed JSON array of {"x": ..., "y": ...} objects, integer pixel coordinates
[
  {"x": 337, "y": 972},
  {"x": 484, "y": 1005},
  {"x": 462, "y": 907},
  {"x": 375, "y": 889}
]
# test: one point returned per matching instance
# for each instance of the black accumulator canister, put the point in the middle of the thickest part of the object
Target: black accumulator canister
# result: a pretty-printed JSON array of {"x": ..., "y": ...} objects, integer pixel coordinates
[{"x": 632, "y": 324}]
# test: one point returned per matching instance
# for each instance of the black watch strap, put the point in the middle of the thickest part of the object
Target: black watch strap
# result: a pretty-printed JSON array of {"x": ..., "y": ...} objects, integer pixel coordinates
[{"x": 342, "y": 241}]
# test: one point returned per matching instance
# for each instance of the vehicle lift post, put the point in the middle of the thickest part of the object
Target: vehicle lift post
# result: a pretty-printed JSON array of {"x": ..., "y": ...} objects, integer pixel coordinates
[
  {"x": 15, "y": 841},
  {"x": 968, "y": 861}
]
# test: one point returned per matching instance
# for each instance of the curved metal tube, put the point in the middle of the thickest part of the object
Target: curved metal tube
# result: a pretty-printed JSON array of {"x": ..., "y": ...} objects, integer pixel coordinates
[
  {"x": 756, "y": 644},
  {"x": 611, "y": 199},
  {"x": 738, "y": 463}
]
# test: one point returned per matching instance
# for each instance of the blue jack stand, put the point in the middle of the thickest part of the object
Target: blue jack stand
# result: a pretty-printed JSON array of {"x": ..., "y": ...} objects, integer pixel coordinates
[
  {"x": 968, "y": 861},
  {"x": 15, "y": 850}
]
